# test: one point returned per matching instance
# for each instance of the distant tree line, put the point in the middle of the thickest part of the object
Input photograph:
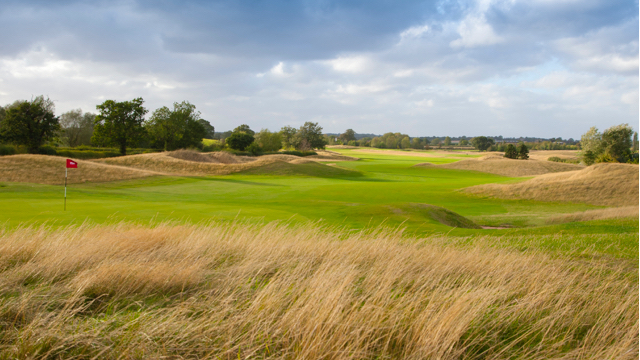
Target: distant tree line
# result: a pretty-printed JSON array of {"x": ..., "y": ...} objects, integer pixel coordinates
[{"x": 123, "y": 125}]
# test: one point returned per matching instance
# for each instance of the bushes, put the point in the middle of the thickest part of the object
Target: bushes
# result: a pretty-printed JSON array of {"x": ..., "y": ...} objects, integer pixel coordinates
[
  {"x": 7, "y": 150},
  {"x": 297, "y": 153},
  {"x": 568, "y": 161}
]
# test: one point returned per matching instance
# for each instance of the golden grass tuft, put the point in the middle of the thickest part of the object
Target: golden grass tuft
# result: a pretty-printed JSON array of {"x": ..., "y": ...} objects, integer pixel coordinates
[
  {"x": 500, "y": 165},
  {"x": 600, "y": 184},
  {"x": 598, "y": 214},
  {"x": 275, "y": 291},
  {"x": 44, "y": 169}
]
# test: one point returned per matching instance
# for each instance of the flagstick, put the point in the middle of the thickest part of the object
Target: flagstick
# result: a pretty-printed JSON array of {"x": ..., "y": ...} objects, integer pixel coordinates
[{"x": 65, "y": 189}]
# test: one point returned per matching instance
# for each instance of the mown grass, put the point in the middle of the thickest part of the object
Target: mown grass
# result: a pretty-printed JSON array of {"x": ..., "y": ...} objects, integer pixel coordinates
[{"x": 281, "y": 291}]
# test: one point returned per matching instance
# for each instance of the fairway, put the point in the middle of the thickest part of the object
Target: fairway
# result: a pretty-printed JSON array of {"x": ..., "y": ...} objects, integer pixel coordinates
[{"x": 383, "y": 188}]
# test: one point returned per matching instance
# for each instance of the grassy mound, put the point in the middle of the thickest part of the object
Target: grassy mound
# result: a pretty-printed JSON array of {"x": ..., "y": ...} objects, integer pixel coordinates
[
  {"x": 43, "y": 169},
  {"x": 510, "y": 167},
  {"x": 599, "y": 214},
  {"x": 600, "y": 184},
  {"x": 445, "y": 216},
  {"x": 191, "y": 163},
  {"x": 278, "y": 292},
  {"x": 300, "y": 167}
]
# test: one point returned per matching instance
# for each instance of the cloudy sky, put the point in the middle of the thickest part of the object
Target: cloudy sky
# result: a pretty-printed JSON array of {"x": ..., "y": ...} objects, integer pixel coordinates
[{"x": 544, "y": 68}]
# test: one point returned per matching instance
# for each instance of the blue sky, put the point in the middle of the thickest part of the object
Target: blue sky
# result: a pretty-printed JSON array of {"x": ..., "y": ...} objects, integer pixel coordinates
[{"x": 543, "y": 68}]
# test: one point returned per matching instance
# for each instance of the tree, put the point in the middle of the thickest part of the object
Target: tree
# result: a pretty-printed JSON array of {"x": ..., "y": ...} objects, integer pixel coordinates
[
  {"x": 376, "y": 142},
  {"x": 405, "y": 143},
  {"x": 119, "y": 124},
  {"x": 179, "y": 128},
  {"x": 635, "y": 141},
  {"x": 435, "y": 142},
  {"x": 244, "y": 128},
  {"x": 616, "y": 141},
  {"x": 523, "y": 151},
  {"x": 269, "y": 141},
  {"x": 210, "y": 131},
  {"x": 482, "y": 143},
  {"x": 447, "y": 141},
  {"x": 30, "y": 123},
  {"x": 417, "y": 143},
  {"x": 464, "y": 142},
  {"x": 310, "y": 135},
  {"x": 591, "y": 141},
  {"x": 77, "y": 128},
  {"x": 348, "y": 135},
  {"x": 239, "y": 140},
  {"x": 511, "y": 152},
  {"x": 391, "y": 142},
  {"x": 288, "y": 134}
]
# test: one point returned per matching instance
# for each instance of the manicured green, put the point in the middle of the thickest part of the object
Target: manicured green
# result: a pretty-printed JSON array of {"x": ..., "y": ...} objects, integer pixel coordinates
[{"x": 379, "y": 189}]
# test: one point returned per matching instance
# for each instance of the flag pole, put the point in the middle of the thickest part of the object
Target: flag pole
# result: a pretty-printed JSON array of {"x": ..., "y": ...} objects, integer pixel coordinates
[{"x": 65, "y": 188}]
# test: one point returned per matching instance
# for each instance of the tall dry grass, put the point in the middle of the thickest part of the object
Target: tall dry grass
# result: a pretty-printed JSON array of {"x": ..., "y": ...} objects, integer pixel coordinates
[
  {"x": 44, "y": 169},
  {"x": 598, "y": 214},
  {"x": 272, "y": 291},
  {"x": 500, "y": 165},
  {"x": 607, "y": 184}
]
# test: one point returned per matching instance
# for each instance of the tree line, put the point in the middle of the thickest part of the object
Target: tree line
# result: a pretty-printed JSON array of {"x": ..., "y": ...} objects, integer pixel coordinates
[{"x": 123, "y": 125}]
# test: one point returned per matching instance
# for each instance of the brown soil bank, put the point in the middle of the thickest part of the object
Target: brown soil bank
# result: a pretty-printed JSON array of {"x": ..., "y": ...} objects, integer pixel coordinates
[
  {"x": 509, "y": 167},
  {"x": 600, "y": 184},
  {"x": 44, "y": 169}
]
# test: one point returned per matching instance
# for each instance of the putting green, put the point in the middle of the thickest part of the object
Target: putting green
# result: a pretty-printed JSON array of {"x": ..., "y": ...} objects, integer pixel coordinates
[{"x": 385, "y": 189}]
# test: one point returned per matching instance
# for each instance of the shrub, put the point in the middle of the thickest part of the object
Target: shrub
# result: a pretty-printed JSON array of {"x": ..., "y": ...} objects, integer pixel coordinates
[
  {"x": 298, "y": 153},
  {"x": 47, "y": 150},
  {"x": 254, "y": 149},
  {"x": 7, "y": 150},
  {"x": 523, "y": 152},
  {"x": 569, "y": 161},
  {"x": 239, "y": 141},
  {"x": 511, "y": 152}
]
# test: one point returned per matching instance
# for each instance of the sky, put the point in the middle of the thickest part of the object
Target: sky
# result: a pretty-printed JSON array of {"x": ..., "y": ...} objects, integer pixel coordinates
[{"x": 543, "y": 68}]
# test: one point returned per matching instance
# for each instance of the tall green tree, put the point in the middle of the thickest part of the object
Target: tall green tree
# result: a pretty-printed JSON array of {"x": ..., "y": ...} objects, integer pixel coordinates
[
  {"x": 179, "y": 128},
  {"x": 511, "y": 152},
  {"x": 288, "y": 134},
  {"x": 405, "y": 143},
  {"x": 30, "y": 123},
  {"x": 244, "y": 128},
  {"x": 347, "y": 136},
  {"x": 210, "y": 131},
  {"x": 447, "y": 141},
  {"x": 435, "y": 141},
  {"x": 269, "y": 141},
  {"x": 416, "y": 143},
  {"x": 523, "y": 151},
  {"x": 119, "y": 124},
  {"x": 239, "y": 140},
  {"x": 310, "y": 135},
  {"x": 616, "y": 141},
  {"x": 482, "y": 143},
  {"x": 77, "y": 127},
  {"x": 635, "y": 142}
]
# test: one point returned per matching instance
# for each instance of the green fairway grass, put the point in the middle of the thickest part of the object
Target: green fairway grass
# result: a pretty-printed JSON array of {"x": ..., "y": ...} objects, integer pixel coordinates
[{"x": 379, "y": 189}]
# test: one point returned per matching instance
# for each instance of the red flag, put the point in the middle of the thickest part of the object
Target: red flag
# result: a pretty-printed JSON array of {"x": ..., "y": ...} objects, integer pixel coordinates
[{"x": 71, "y": 164}]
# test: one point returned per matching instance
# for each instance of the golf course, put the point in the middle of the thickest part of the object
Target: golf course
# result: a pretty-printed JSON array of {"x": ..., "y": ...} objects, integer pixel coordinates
[{"x": 351, "y": 253}]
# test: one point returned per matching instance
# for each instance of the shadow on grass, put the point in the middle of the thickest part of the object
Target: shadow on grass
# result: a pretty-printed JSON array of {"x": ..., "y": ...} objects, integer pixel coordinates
[{"x": 237, "y": 181}]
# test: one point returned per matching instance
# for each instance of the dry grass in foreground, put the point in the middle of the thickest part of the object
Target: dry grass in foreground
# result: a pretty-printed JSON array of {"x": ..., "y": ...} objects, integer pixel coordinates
[
  {"x": 599, "y": 214},
  {"x": 600, "y": 184},
  {"x": 270, "y": 291},
  {"x": 500, "y": 165},
  {"x": 43, "y": 169}
]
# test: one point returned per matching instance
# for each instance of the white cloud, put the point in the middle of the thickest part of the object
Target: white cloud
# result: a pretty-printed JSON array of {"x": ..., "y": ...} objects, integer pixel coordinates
[
  {"x": 353, "y": 64},
  {"x": 475, "y": 31}
]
